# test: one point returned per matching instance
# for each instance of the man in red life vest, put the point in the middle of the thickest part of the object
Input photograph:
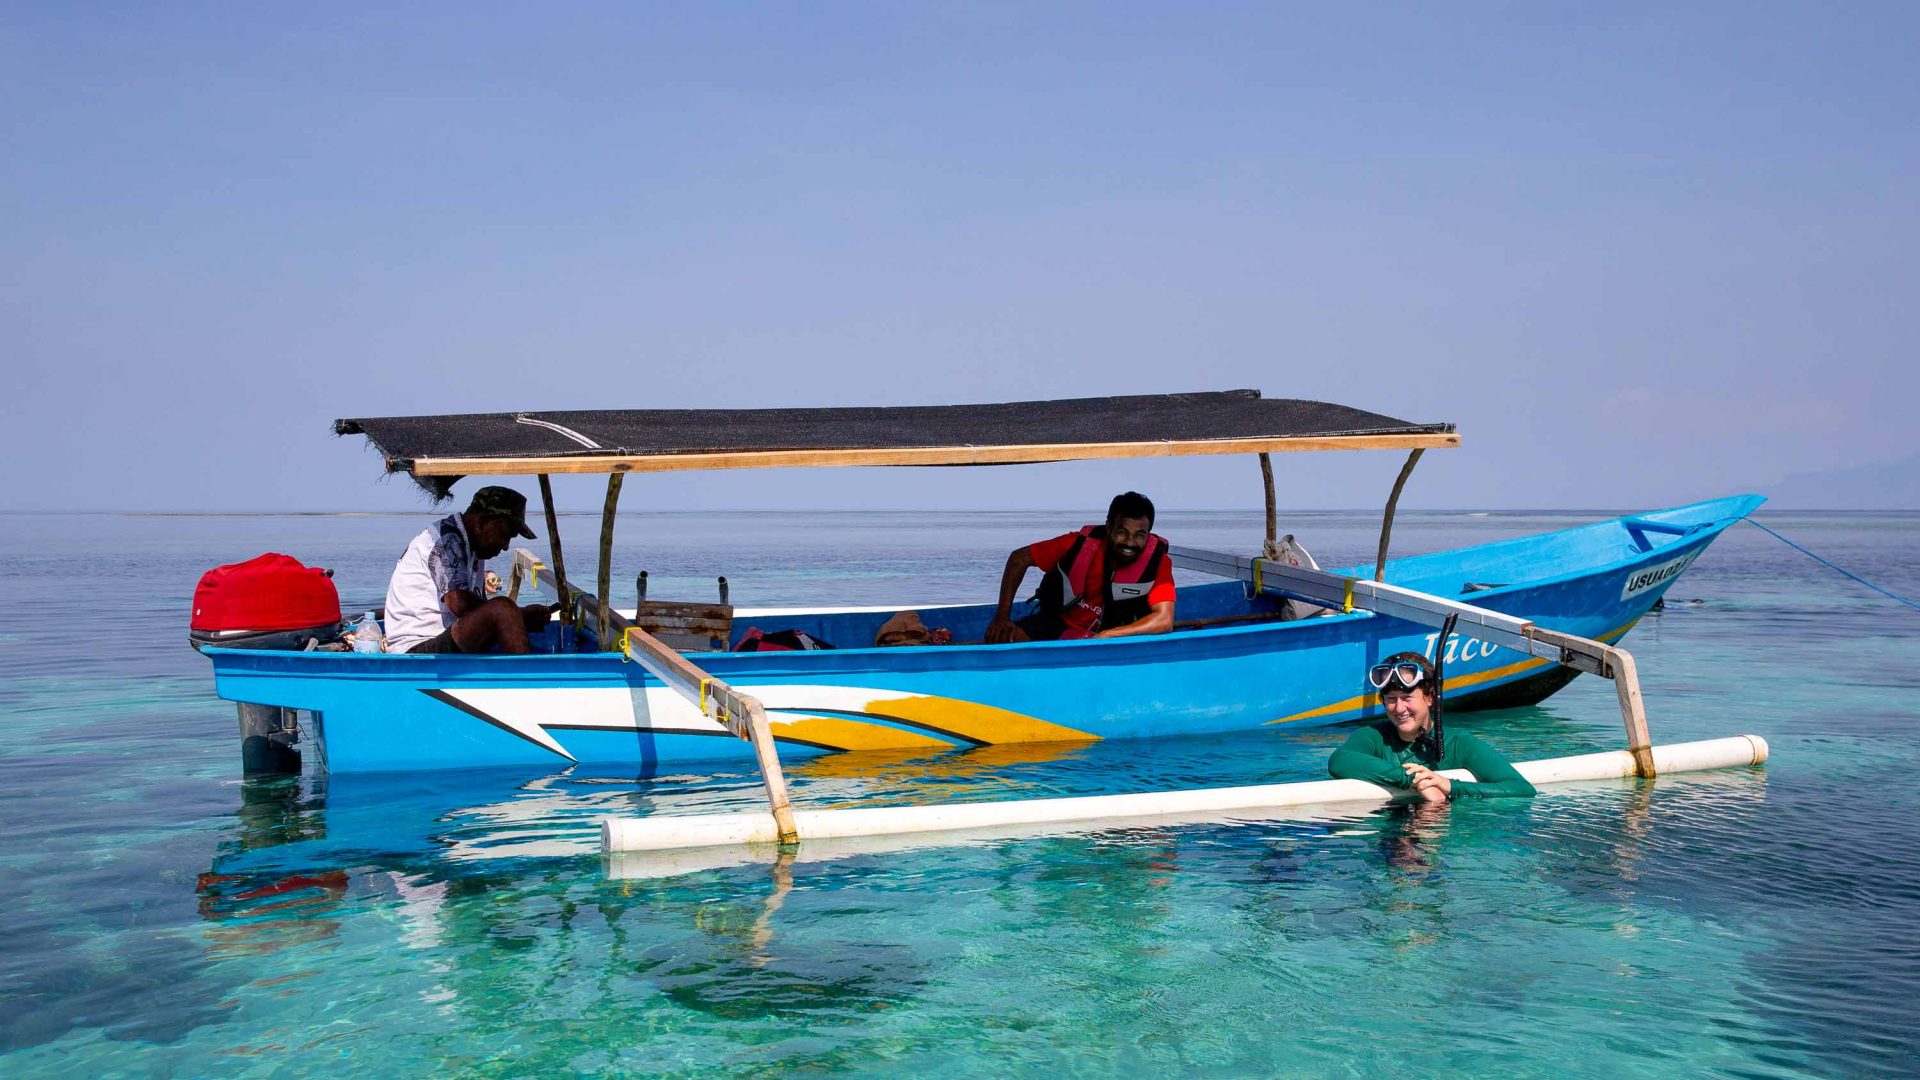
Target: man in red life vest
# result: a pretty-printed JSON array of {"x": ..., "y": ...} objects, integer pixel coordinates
[{"x": 1112, "y": 580}]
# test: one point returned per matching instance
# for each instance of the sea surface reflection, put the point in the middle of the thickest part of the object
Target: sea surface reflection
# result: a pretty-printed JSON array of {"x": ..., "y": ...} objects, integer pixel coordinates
[{"x": 163, "y": 917}]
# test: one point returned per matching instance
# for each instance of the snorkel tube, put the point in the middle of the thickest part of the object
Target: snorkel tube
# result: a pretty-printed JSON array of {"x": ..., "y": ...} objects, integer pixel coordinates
[{"x": 1439, "y": 671}]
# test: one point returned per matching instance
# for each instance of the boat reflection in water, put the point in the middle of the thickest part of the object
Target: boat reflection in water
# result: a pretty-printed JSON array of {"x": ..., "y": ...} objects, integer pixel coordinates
[
  {"x": 454, "y": 867},
  {"x": 477, "y": 877},
  {"x": 301, "y": 845}
]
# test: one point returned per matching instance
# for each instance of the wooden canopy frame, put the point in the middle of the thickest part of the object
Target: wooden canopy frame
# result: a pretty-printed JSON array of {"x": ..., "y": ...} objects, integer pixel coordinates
[{"x": 1030, "y": 454}]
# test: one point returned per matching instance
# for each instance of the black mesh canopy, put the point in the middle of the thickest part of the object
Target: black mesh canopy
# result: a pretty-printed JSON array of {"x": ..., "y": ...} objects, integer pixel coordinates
[{"x": 434, "y": 448}]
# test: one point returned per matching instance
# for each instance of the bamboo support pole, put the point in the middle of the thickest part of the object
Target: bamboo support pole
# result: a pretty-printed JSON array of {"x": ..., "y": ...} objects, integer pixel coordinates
[
  {"x": 1271, "y": 549},
  {"x": 553, "y": 545},
  {"x": 1386, "y": 521},
  {"x": 606, "y": 561}
]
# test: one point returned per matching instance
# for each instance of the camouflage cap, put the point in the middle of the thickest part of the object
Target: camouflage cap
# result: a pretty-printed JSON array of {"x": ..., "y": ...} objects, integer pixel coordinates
[{"x": 495, "y": 501}]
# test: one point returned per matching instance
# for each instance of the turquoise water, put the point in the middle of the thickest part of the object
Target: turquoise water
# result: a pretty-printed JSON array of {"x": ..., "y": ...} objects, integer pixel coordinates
[{"x": 161, "y": 917}]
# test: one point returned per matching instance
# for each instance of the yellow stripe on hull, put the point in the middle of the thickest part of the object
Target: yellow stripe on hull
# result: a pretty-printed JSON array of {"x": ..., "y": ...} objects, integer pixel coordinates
[
  {"x": 948, "y": 722},
  {"x": 975, "y": 723},
  {"x": 840, "y": 733}
]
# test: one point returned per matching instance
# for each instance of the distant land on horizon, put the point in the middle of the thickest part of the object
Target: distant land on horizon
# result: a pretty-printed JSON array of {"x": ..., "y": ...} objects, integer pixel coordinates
[{"x": 1887, "y": 485}]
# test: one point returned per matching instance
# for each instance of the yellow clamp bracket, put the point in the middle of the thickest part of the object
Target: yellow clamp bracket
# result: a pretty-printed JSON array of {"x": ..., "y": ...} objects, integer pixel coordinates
[
  {"x": 1257, "y": 589},
  {"x": 718, "y": 703},
  {"x": 1346, "y": 605}
]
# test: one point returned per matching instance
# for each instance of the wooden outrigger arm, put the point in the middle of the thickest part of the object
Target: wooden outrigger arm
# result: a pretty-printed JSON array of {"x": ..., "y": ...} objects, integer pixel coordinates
[
  {"x": 1494, "y": 627},
  {"x": 741, "y": 714}
]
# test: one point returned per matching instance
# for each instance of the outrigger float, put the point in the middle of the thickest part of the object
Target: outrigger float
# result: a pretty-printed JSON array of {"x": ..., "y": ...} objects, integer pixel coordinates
[{"x": 1278, "y": 642}]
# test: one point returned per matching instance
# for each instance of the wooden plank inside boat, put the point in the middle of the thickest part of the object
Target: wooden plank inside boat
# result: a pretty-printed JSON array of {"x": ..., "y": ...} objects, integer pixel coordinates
[{"x": 686, "y": 624}]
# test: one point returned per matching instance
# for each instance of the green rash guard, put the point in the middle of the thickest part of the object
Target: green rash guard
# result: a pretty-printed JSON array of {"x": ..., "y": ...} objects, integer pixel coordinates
[{"x": 1375, "y": 753}]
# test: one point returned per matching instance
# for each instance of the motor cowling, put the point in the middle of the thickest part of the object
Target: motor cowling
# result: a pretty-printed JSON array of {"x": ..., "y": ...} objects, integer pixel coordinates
[{"x": 271, "y": 601}]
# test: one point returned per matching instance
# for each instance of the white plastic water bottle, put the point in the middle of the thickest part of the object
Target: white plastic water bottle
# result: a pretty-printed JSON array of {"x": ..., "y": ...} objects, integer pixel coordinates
[{"x": 367, "y": 637}]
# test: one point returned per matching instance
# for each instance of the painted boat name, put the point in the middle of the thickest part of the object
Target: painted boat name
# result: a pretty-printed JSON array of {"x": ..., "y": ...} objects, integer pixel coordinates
[
  {"x": 1657, "y": 575},
  {"x": 1462, "y": 648}
]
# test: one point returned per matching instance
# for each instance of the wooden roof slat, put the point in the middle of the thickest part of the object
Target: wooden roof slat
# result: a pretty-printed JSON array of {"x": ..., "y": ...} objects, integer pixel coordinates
[{"x": 928, "y": 455}]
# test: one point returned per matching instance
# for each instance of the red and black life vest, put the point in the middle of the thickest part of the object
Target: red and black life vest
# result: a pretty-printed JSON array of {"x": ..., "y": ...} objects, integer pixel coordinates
[{"x": 1069, "y": 585}]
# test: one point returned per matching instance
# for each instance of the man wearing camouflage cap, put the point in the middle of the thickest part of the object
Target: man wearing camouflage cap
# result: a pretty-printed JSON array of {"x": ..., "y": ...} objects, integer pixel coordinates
[{"x": 436, "y": 600}]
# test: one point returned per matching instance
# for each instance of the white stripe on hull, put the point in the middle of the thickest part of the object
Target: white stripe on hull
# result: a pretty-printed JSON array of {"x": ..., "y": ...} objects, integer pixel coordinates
[{"x": 529, "y": 711}]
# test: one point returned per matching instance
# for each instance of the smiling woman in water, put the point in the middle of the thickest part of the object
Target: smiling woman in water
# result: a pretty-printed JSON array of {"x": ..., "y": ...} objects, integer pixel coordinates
[{"x": 1408, "y": 749}]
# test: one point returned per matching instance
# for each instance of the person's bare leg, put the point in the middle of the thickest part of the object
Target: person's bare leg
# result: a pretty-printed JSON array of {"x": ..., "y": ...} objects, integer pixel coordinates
[
  {"x": 513, "y": 626},
  {"x": 496, "y": 624}
]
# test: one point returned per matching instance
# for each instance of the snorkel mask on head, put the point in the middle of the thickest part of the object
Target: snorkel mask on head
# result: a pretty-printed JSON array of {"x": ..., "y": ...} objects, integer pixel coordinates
[
  {"x": 1403, "y": 671},
  {"x": 1411, "y": 671}
]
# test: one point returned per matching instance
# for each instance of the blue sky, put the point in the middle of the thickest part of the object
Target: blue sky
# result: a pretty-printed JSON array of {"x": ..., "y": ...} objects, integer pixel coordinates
[{"x": 1640, "y": 254}]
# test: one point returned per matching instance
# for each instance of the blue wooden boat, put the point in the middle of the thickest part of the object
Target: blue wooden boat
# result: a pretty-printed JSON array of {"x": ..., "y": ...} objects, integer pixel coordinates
[
  {"x": 576, "y": 703},
  {"x": 1235, "y": 663}
]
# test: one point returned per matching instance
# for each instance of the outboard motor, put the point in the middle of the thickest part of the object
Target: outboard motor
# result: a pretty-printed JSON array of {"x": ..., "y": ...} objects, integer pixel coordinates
[{"x": 269, "y": 602}]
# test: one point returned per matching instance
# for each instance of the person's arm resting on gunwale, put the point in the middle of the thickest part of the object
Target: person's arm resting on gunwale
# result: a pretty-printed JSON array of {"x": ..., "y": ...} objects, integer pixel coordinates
[
  {"x": 1408, "y": 750},
  {"x": 1111, "y": 580}
]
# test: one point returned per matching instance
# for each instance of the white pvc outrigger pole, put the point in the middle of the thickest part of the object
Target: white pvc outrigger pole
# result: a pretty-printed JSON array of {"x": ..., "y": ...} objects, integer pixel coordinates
[{"x": 677, "y": 831}]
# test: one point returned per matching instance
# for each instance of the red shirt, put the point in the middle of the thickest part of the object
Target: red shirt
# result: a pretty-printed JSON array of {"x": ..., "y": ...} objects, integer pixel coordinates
[{"x": 1081, "y": 619}]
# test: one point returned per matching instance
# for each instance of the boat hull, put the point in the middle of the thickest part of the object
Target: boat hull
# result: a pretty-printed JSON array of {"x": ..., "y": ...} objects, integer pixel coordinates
[{"x": 377, "y": 713}]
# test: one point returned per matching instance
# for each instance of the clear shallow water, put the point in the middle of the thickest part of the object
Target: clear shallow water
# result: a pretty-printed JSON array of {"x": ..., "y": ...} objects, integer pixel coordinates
[{"x": 159, "y": 916}]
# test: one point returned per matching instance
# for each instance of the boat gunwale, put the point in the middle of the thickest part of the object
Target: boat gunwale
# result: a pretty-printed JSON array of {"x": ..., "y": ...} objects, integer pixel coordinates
[{"x": 1112, "y": 651}]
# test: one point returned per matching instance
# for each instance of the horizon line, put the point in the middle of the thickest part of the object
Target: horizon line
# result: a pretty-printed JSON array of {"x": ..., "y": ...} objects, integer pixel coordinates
[{"x": 433, "y": 511}]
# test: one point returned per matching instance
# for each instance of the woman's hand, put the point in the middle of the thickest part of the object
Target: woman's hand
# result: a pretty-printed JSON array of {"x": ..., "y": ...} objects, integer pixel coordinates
[{"x": 1429, "y": 785}]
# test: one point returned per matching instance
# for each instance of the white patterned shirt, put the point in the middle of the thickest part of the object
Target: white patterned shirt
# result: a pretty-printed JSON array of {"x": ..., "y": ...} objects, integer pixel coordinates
[{"x": 438, "y": 561}]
